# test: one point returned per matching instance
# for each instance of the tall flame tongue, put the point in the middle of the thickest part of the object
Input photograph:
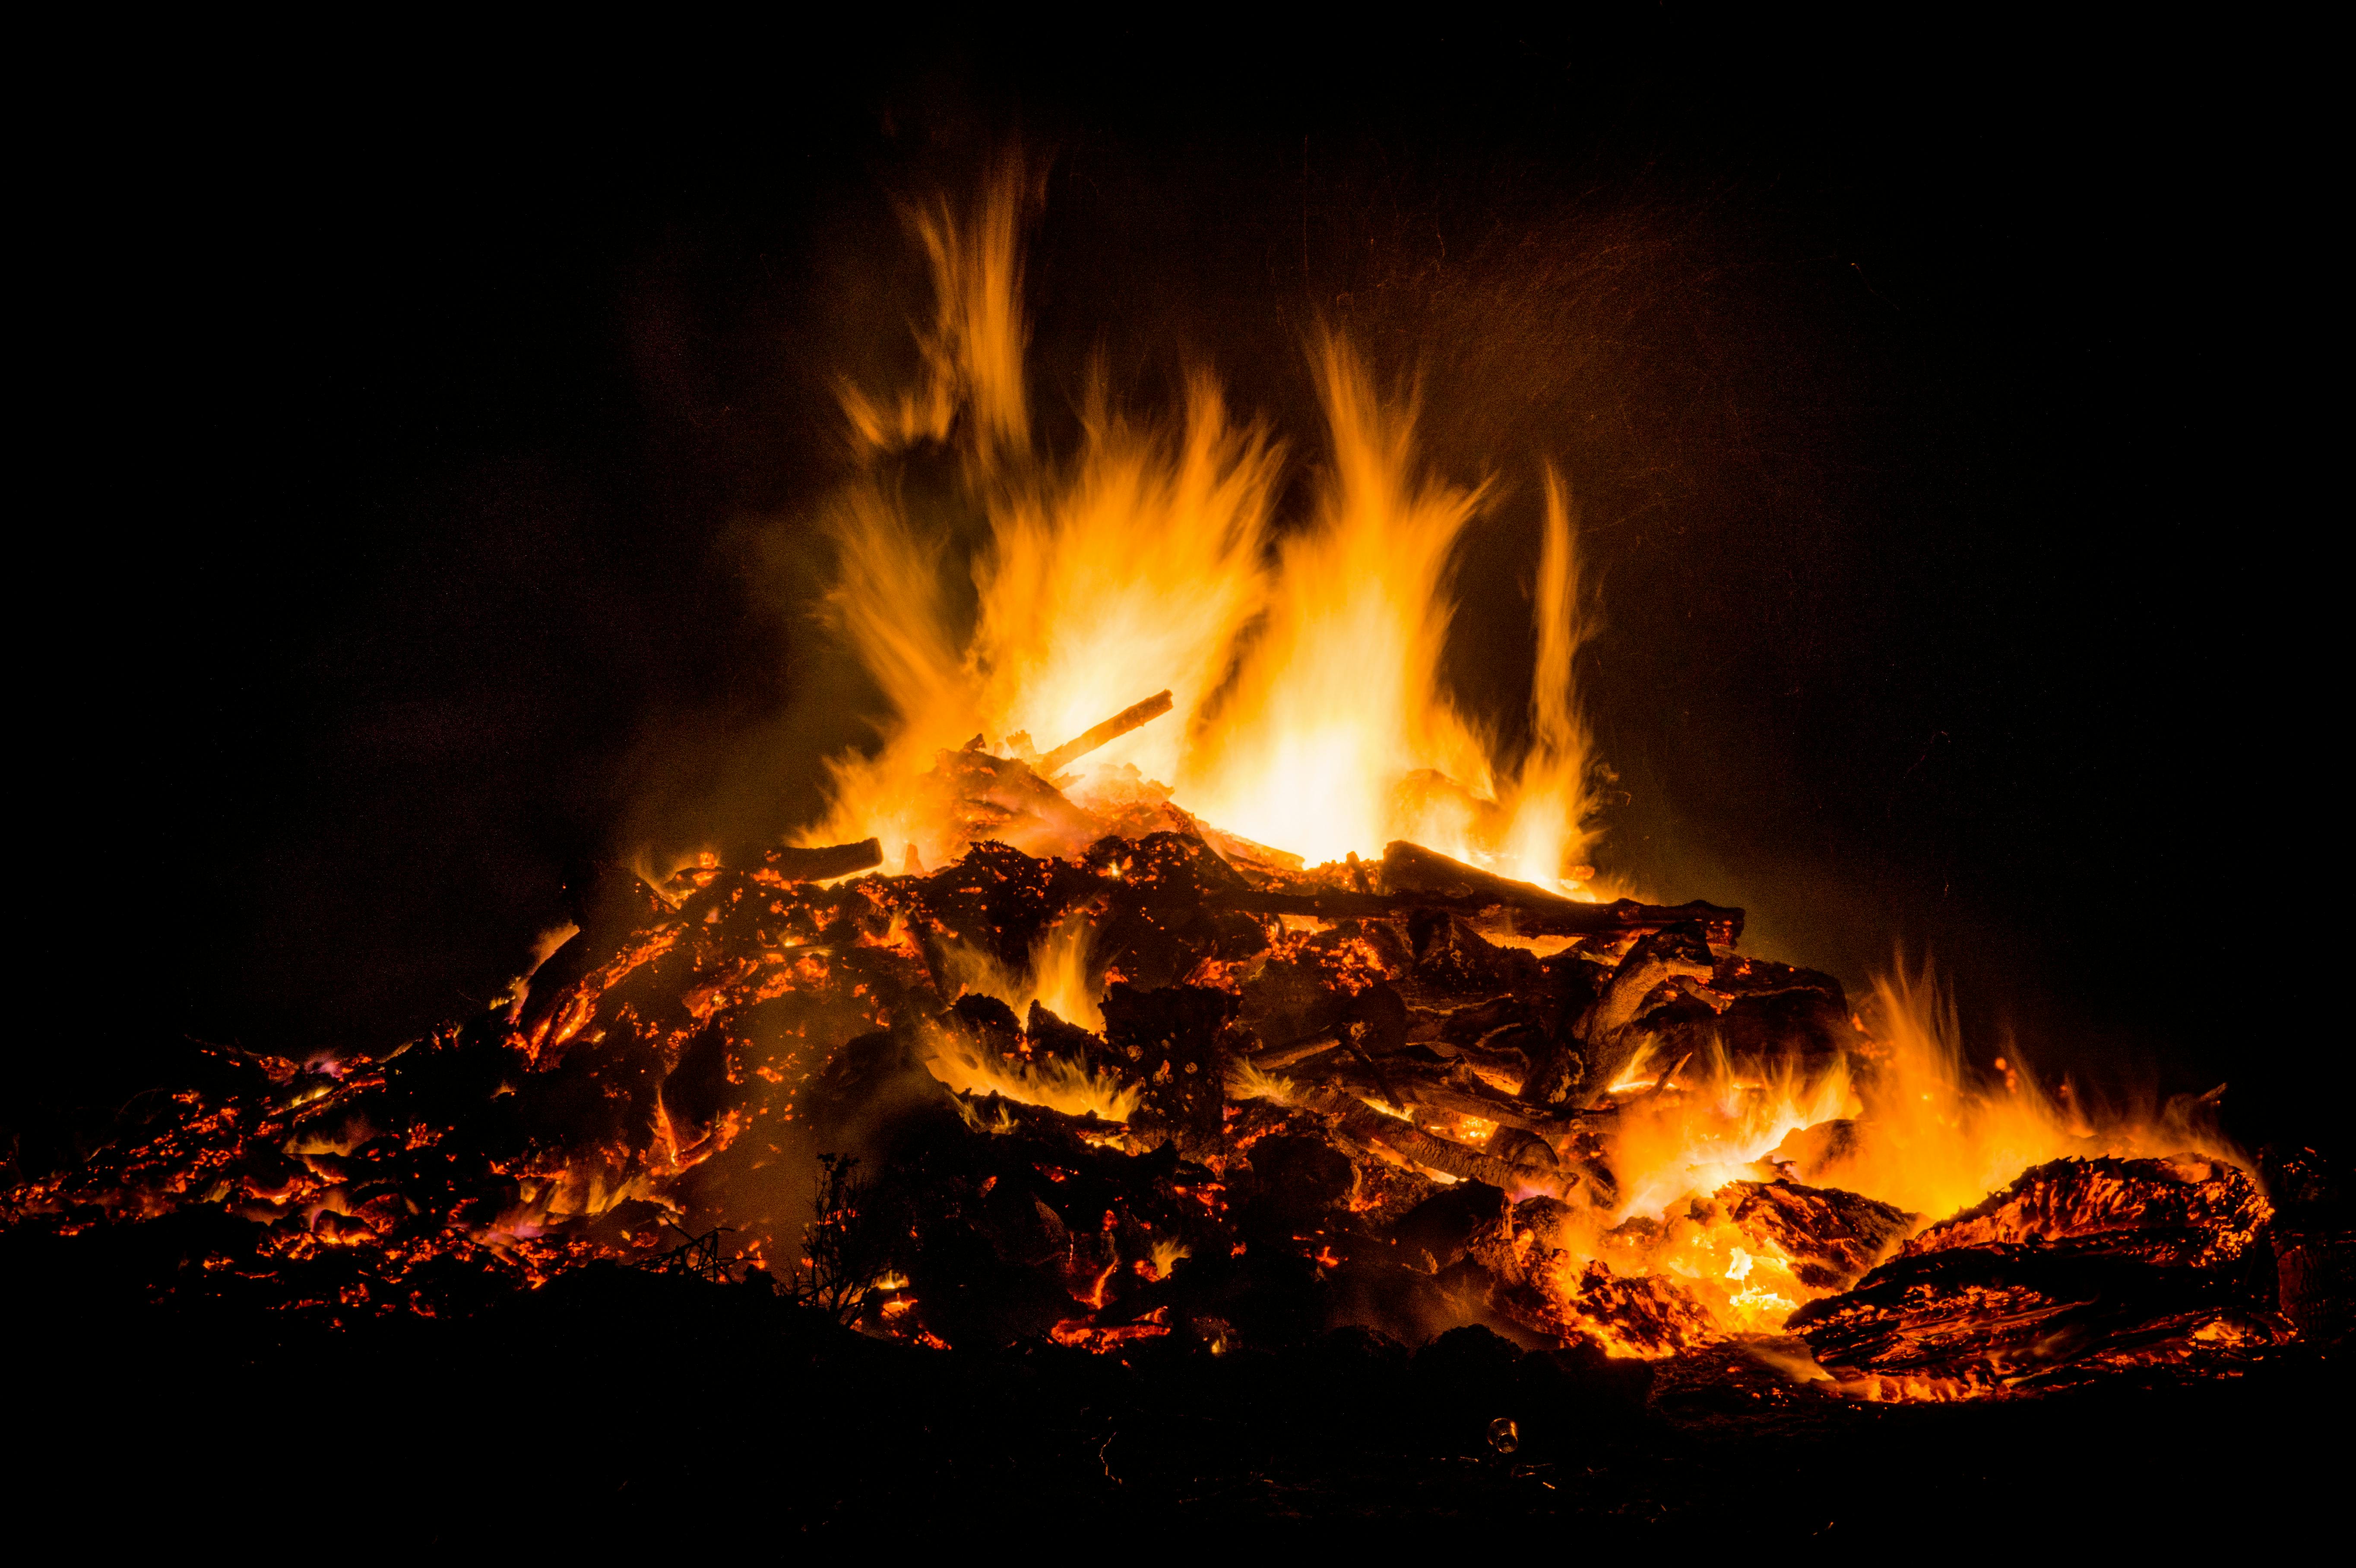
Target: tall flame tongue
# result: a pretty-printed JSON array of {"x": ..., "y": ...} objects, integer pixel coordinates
[{"x": 1303, "y": 670}]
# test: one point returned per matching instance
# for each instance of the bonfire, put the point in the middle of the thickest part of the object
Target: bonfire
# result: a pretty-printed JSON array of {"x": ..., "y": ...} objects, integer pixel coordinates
[{"x": 1179, "y": 965}]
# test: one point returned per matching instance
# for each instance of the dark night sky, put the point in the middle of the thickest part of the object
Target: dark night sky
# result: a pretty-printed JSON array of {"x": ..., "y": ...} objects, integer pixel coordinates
[{"x": 1934, "y": 409}]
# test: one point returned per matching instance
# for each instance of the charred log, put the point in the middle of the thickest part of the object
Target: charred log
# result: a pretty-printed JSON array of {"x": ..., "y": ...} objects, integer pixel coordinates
[{"x": 823, "y": 864}]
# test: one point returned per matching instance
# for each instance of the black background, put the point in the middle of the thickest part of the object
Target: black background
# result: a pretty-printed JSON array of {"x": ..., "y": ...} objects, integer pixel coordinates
[{"x": 431, "y": 429}]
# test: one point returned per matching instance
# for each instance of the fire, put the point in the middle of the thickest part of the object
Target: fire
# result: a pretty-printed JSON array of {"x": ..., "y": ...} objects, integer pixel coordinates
[
  {"x": 1057, "y": 977},
  {"x": 1310, "y": 715},
  {"x": 1898, "y": 1118},
  {"x": 1385, "y": 1075},
  {"x": 1059, "y": 1085}
]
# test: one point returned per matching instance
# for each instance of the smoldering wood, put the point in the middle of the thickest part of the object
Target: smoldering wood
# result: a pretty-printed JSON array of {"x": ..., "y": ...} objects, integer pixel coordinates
[
  {"x": 1565, "y": 917},
  {"x": 1306, "y": 1050},
  {"x": 1366, "y": 1125},
  {"x": 1452, "y": 1087},
  {"x": 1411, "y": 869},
  {"x": 1111, "y": 730},
  {"x": 822, "y": 863},
  {"x": 1058, "y": 1197},
  {"x": 1666, "y": 955},
  {"x": 1468, "y": 1096}
]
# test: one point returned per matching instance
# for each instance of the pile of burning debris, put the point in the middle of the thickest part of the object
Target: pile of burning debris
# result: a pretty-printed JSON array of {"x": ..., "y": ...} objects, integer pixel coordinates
[{"x": 1386, "y": 1094}]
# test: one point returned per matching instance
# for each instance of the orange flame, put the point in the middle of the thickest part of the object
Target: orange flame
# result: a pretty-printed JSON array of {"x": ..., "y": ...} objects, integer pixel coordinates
[
  {"x": 1310, "y": 714},
  {"x": 1900, "y": 1118}
]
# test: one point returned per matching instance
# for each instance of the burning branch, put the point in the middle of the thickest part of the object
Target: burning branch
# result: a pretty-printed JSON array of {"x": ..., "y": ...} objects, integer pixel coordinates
[{"x": 1103, "y": 734}]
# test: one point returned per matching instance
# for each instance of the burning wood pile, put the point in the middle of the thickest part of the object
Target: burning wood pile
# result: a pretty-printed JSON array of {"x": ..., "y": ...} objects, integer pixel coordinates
[{"x": 1168, "y": 1086}]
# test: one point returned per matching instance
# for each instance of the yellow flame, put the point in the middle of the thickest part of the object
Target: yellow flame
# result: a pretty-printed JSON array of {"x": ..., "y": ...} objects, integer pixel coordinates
[
  {"x": 1057, "y": 978},
  {"x": 1921, "y": 1131},
  {"x": 1708, "y": 1126},
  {"x": 1310, "y": 713},
  {"x": 1054, "y": 1081},
  {"x": 1245, "y": 1082}
]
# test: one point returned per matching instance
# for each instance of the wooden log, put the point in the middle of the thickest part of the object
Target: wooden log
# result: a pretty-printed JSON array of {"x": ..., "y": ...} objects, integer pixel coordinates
[
  {"x": 1308, "y": 1048},
  {"x": 1661, "y": 958},
  {"x": 1111, "y": 730},
  {"x": 1541, "y": 915},
  {"x": 816, "y": 864},
  {"x": 1427, "y": 1088},
  {"x": 1366, "y": 1125},
  {"x": 1411, "y": 869}
]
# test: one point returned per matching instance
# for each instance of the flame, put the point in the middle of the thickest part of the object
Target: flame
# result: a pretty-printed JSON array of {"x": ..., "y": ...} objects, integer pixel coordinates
[
  {"x": 1900, "y": 1117},
  {"x": 1310, "y": 715},
  {"x": 1691, "y": 1132},
  {"x": 1057, "y": 978},
  {"x": 1058, "y": 1083}
]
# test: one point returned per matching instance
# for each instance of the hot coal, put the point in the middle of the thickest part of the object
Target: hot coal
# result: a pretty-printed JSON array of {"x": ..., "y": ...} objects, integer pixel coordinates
[
  {"x": 1286, "y": 1124},
  {"x": 2078, "y": 1267}
]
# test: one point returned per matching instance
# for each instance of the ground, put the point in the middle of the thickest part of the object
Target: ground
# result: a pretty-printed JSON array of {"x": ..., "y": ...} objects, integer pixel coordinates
[{"x": 614, "y": 1408}]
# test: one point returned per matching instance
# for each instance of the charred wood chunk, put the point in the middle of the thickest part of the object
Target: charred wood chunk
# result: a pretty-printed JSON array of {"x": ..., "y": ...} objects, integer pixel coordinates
[
  {"x": 699, "y": 1088},
  {"x": 1379, "y": 1016},
  {"x": 1644, "y": 982},
  {"x": 601, "y": 1097},
  {"x": 872, "y": 1095},
  {"x": 1548, "y": 1221},
  {"x": 1470, "y": 1216},
  {"x": 1051, "y": 1036},
  {"x": 1803, "y": 1022},
  {"x": 1477, "y": 1020},
  {"x": 2080, "y": 1266},
  {"x": 1637, "y": 983},
  {"x": 1360, "y": 1124},
  {"x": 1557, "y": 1077},
  {"x": 1832, "y": 1237},
  {"x": 2315, "y": 1282},
  {"x": 1021, "y": 1228},
  {"x": 1642, "y": 1314},
  {"x": 2315, "y": 1238},
  {"x": 1452, "y": 959},
  {"x": 821, "y": 864},
  {"x": 1290, "y": 999},
  {"x": 1001, "y": 900},
  {"x": 1519, "y": 1145},
  {"x": 1983, "y": 1318},
  {"x": 989, "y": 1022},
  {"x": 1160, "y": 925},
  {"x": 1173, "y": 1042},
  {"x": 1176, "y": 868},
  {"x": 1296, "y": 1184},
  {"x": 1751, "y": 1007},
  {"x": 609, "y": 904},
  {"x": 2184, "y": 1212},
  {"x": 1412, "y": 872},
  {"x": 1162, "y": 945},
  {"x": 1412, "y": 869}
]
